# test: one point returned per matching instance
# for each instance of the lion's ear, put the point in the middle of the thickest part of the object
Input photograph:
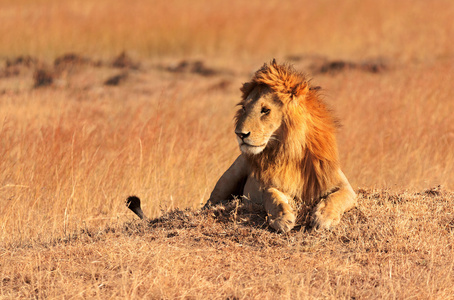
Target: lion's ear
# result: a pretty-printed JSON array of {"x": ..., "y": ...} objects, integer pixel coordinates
[
  {"x": 300, "y": 90},
  {"x": 247, "y": 88}
]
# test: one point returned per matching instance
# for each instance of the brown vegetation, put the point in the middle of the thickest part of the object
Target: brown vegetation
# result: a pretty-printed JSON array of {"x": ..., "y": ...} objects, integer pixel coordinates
[
  {"x": 124, "y": 61},
  {"x": 337, "y": 66},
  {"x": 70, "y": 153},
  {"x": 116, "y": 79},
  {"x": 43, "y": 77}
]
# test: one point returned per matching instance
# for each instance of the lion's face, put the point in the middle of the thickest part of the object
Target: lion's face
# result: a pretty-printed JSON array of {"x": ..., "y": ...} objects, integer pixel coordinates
[{"x": 258, "y": 121}]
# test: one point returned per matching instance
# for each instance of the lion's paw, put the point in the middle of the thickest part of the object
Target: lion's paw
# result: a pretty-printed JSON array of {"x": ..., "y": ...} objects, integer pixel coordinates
[
  {"x": 284, "y": 223},
  {"x": 324, "y": 218}
]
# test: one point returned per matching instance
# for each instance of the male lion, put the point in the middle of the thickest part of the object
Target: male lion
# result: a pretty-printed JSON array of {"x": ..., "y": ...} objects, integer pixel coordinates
[{"x": 289, "y": 153}]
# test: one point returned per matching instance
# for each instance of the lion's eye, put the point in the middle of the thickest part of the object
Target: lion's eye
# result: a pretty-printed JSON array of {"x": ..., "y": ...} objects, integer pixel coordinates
[{"x": 265, "y": 110}]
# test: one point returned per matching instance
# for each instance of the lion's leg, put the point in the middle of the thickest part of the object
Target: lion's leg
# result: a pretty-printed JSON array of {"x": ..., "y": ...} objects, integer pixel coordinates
[
  {"x": 329, "y": 211},
  {"x": 230, "y": 183},
  {"x": 277, "y": 206}
]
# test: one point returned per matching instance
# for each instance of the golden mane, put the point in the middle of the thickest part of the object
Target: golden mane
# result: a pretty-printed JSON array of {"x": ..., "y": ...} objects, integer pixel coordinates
[{"x": 305, "y": 161}]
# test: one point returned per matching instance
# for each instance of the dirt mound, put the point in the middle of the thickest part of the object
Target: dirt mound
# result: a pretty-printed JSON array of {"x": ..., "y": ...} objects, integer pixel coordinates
[
  {"x": 125, "y": 61},
  {"x": 220, "y": 86},
  {"x": 194, "y": 67},
  {"x": 24, "y": 60},
  {"x": 70, "y": 60},
  {"x": 17, "y": 65},
  {"x": 246, "y": 223},
  {"x": 116, "y": 79},
  {"x": 318, "y": 64},
  {"x": 228, "y": 222},
  {"x": 337, "y": 66},
  {"x": 43, "y": 77}
]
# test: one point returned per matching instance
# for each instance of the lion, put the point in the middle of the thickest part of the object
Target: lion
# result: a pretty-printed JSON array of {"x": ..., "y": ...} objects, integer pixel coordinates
[{"x": 289, "y": 154}]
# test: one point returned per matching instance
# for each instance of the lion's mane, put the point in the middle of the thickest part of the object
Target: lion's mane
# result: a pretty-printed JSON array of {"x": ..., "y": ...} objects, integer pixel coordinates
[{"x": 304, "y": 162}]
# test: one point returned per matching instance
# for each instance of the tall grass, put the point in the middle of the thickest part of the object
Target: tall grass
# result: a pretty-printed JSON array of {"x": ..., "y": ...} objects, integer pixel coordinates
[
  {"x": 408, "y": 30},
  {"x": 66, "y": 160},
  {"x": 397, "y": 131}
]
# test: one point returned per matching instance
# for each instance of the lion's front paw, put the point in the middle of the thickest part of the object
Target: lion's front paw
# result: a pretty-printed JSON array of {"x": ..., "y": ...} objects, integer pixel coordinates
[
  {"x": 284, "y": 223},
  {"x": 324, "y": 217}
]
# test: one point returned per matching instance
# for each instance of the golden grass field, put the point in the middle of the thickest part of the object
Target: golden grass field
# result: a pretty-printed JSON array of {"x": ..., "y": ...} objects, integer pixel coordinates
[{"x": 73, "y": 150}]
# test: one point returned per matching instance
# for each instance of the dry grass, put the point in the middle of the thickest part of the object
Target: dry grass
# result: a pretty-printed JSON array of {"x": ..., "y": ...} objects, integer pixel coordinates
[
  {"x": 72, "y": 151},
  {"x": 228, "y": 253}
]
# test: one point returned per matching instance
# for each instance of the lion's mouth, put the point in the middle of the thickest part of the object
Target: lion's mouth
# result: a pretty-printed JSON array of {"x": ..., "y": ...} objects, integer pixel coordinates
[
  {"x": 245, "y": 147},
  {"x": 251, "y": 149},
  {"x": 254, "y": 146}
]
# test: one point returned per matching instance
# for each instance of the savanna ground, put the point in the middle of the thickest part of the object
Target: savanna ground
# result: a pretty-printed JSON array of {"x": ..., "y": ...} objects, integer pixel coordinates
[{"x": 82, "y": 127}]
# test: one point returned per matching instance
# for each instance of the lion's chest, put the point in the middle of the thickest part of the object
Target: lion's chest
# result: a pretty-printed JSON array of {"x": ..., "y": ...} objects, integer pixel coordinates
[{"x": 253, "y": 190}]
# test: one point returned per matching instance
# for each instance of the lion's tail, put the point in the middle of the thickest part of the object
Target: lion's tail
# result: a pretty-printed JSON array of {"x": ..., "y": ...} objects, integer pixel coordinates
[{"x": 133, "y": 203}]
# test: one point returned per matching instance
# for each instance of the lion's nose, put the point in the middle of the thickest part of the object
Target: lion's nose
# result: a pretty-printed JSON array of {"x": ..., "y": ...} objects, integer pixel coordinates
[{"x": 243, "y": 135}]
